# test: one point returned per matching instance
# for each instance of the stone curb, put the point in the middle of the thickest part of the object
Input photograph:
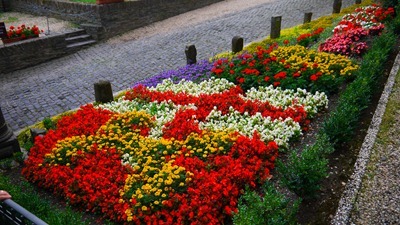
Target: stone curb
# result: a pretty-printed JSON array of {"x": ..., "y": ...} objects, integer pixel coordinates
[{"x": 352, "y": 188}]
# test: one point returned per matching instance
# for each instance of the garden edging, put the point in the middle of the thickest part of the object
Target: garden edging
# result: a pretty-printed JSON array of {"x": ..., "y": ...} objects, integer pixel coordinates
[{"x": 352, "y": 188}]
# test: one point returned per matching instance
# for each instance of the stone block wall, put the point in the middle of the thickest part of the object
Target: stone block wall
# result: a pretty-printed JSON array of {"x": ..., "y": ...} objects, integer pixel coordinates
[
  {"x": 31, "y": 52},
  {"x": 74, "y": 12},
  {"x": 110, "y": 19},
  {"x": 5, "y": 5}
]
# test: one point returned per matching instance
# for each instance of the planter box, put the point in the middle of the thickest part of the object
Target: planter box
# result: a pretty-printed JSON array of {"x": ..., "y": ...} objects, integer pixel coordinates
[
  {"x": 101, "y": 2},
  {"x": 12, "y": 40}
]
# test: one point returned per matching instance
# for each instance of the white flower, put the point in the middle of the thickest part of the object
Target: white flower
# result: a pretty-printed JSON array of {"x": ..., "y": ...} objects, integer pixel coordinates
[
  {"x": 277, "y": 97},
  {"x": 210, "y": 86}
]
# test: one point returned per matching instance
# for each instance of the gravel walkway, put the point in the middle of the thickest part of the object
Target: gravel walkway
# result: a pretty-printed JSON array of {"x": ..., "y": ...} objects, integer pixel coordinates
[{"x": 378, "y": 201}]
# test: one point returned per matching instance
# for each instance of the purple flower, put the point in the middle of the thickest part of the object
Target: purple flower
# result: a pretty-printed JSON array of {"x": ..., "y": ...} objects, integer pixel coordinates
[{"x": 195, "y": 72}]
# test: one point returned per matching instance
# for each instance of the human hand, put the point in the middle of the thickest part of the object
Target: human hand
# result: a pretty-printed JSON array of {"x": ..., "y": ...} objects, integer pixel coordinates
[{"x": 4, "y": 195}]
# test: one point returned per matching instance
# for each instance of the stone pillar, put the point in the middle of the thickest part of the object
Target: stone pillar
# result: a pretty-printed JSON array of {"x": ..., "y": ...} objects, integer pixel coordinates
[
  {"x": 337, "y": 5},
  {"x": 8, "y": 141},
  {"x": 307, "y": 17},
  {"x": 237, "y": 44},
  {"x": 103, "y": 92},
  {"x": 276, "y": 26},
  {"x": 191, "y": 54}
]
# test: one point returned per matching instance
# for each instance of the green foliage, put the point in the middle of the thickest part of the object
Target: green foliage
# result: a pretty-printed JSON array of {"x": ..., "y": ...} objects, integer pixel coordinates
[
  {"x": 341, "y": 124},
  {"x": 323, "y": 146},
  {"x": 9, "y": 163},
  {"x": 389, "y": 3},
  {"x": 27, "y": 145},
  {"x": 395, "y": 25},
  {"x": 25, "y": 195},
  {"x": 11, "y": 19},
  {"x": 272, "y": 208},
  {"x": 49, "y": 124},
  {"x": 302, "y": 174},
  {"x": 6, "y": 164}
]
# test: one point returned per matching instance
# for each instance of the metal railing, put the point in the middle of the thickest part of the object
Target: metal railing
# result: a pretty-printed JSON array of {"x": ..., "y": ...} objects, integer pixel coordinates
[{"x": 13, "y": 214}]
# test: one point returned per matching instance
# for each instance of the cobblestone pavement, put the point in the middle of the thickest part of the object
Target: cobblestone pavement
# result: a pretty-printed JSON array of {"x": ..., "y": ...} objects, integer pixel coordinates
[{"x": 30, "y": 95}]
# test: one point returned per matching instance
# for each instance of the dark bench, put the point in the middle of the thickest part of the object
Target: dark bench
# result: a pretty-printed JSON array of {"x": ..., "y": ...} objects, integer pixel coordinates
[{"x": 13, "y": 214}]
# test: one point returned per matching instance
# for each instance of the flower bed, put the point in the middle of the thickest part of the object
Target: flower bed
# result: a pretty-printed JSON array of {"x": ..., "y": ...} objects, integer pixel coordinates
[
  {"x": 350, "y": 34},
  {"x": 160, "y": 156},
  {"x": 180, "y": 151}
]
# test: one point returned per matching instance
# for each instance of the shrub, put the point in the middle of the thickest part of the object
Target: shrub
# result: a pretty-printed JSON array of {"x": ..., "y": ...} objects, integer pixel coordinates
[
  {"x": 49, "y": 124},
  {"x": 271, "y": 208},
  {"x": 302, "y": 174},
  {"x": 389, "y": 3},
  {"x": 341, "y": 124}
]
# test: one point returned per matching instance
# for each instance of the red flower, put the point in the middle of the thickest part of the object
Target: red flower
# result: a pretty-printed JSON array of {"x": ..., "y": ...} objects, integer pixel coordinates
[
  {"x": 313, "y": 77},
  {"x": 286, "y": 42},
  {"x": 280, "y": 75},
  {"x": 297, "y": 74}
]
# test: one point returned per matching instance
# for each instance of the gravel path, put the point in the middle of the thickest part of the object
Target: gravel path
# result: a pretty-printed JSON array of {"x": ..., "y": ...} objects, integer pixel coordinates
[{"x": 378, "y": 201}]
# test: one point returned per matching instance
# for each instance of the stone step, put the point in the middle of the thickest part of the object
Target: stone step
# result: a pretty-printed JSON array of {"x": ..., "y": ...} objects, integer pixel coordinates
[
  {"x": 77, "y": 39},
  {"x": 75, "y": 33},
  {"x": 79, "y": 45}
]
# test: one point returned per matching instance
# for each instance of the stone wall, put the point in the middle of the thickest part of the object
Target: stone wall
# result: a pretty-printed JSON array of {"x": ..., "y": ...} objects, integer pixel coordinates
[
  {"x": 31, "y": 52},
  {"x": 110, "y": 19},
  {"x": 5, "y": 5}
]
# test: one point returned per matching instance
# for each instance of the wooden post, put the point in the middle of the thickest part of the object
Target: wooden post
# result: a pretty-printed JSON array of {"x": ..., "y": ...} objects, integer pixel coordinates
[
  {"x": 191, "y": 54},
  {"x": 237, "y": 44},
  {"x": 276, "y": 26},
  {"x": 307, "y": 17},
  {"x": 337, "y": 5},
  {"x": 103, "y": 92}
]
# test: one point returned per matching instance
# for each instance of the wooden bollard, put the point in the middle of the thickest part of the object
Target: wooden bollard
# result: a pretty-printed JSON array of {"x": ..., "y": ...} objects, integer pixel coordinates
[
  {"x": 337, "y": 5},
  {"x": 237, "y": 44},
  {"x": 191, "y": 54},
  {"x": 307, "y": 17},
  {"x": 276, "y": 26},
  {"x": 103, "y": 92}
]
